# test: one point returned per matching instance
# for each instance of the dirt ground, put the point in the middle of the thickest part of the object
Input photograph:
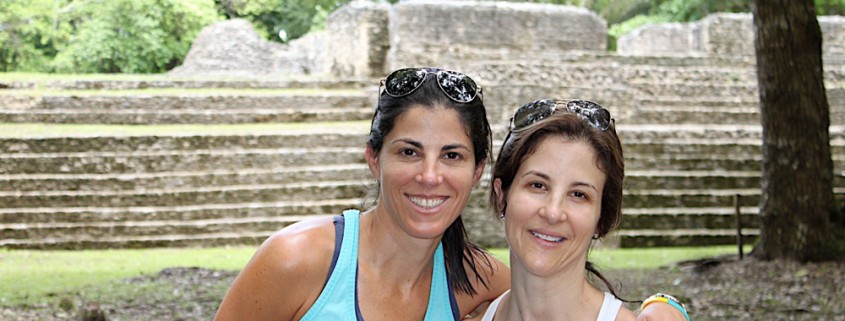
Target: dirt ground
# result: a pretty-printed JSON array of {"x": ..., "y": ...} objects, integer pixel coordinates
[{"x": 713, "y": 289}]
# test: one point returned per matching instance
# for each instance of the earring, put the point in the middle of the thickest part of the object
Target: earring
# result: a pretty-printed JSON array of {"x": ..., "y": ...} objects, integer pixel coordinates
[
  {"x": 596, "y": 236},
  {"x": 502, "y": 215}
]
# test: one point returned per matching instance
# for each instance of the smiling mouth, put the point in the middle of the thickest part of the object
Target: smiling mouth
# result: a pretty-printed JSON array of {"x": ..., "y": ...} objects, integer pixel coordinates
[
  {"x": 548, "y": 238},
  {"x": 426, "y": 202}
]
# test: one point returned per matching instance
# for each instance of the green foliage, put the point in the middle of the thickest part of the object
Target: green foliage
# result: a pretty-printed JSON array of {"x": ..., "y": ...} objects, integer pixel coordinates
[
  {"x": 626, "y": 26},
  {"x": 31, "y": 33},
  {"x": 830, "y": 7},
  {"x": 293, "y": 18},
  {"x": 691, "y": 10},
  {"x": 132, "y": 36}
]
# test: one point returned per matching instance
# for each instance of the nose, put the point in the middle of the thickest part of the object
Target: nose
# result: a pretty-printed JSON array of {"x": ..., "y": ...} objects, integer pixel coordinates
[
  {"x": 429, "y": 173},
  {"x": 554, "y": 211}
]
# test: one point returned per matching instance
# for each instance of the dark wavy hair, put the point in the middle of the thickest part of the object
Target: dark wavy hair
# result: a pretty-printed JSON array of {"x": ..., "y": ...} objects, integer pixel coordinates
[
  {"x": 456, "y": 247},
  {"x": 523, "y": 142}
]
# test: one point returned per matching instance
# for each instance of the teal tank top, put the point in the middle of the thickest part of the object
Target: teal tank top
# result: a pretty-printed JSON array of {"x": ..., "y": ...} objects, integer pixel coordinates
[{"x": 339, "y": 298}]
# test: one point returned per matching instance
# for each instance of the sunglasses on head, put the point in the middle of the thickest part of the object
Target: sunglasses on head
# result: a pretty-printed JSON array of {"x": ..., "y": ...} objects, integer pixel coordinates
[
  {"x": 596, "y": 115},
  {"x": 455, "y": 85}
]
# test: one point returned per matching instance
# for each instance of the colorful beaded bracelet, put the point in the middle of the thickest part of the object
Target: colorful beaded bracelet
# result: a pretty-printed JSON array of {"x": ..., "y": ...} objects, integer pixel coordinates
[{"x": 660, "y": 297}]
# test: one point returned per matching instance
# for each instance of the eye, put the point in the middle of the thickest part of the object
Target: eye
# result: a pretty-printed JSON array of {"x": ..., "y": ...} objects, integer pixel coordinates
[
  {"x": 407, "y": 152},
  {"x": 537, "y": 186},
  {"x": 581, "y": 195},
  {"x": 453, "y": 156}
]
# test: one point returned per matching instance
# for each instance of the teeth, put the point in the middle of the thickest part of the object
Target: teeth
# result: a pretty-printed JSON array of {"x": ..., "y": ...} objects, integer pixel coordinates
[
  {"x": 427, "y": 202},
  {"x": 546, "y": 237}
]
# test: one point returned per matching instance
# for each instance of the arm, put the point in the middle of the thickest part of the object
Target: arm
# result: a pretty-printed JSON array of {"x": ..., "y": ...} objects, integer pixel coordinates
[
  {"x": 284, "y": 277},
  {"x": 498, "y": 278},
  {"x": 662, "y": 310}
]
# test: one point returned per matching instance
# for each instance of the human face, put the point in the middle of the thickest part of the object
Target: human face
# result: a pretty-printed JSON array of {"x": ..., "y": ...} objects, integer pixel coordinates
[
  {"x": 553, "y": 206},
  {"x": 426, "y": 169}
]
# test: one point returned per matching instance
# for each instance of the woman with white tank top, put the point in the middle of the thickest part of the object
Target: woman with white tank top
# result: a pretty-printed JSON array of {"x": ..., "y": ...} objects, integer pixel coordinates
[{"x": 557, "y": 185}]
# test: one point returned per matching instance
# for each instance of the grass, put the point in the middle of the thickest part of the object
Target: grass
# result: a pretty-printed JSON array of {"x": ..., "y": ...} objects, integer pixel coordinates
[{"x": 28, "y": 277}]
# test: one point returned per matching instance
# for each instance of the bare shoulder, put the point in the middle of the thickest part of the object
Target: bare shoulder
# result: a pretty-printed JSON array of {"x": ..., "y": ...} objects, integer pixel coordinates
[
  {"x": 496, "y": 278},
  {"x": 625, "y": 315},
  {"x": 284, "y": 276}
]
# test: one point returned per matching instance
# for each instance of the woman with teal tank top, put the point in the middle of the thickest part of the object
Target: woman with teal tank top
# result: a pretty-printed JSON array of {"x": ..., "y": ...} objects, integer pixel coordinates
[{"x": 407, "y": 257}]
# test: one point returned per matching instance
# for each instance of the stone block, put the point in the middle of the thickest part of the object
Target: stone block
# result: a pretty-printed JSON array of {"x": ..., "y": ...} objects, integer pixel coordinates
[
  {"x": 726, "y": 34},
  {"x": 233, "y": 48},
  {"x": 833, "y": 36},
  {"x": 358, "y": 39},
  {"x": 664, "y": 39},
  {"x": 450, "y": 33},
  {"x": 719, "y": 34}
]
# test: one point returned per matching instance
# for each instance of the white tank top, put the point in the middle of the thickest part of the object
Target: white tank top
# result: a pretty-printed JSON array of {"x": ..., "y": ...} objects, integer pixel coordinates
[{"x": 609, "y": 308}]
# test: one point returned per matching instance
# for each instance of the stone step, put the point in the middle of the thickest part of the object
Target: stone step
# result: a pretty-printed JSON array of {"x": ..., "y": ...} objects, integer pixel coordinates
[
  {"x": 136, "y": 82},
  {"x": 682, "y": 237},
  {"x": 74, "y": 138},
  {"x": 688, "y": 115},
  {"x": 189, "y": 100},
  {"x": 93, "y": 213},
  {"x": 695, "y": 198},
  {"x": 187, "y": 196},
  {"x": 835, "y": 97},
  {"x": 160, "y": 116},
  {"x": 667, "y": 179},
  {"x": 184, "y": 106},
  {"x": 668, "y": 218},
  {"x": 711, "y": 179},
  {"x": 163, "y": 180},
  {"x": 169, "y": 161},
  {"x": 648, "y": 74},
  {"x": 113, "y": 241},
  {"x": 746, "y": 91},
  {"x": 105, "y": 230}
]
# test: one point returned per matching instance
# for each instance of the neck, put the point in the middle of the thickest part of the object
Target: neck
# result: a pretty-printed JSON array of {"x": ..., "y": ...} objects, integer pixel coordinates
[
  {"x": 385, "y": 249},
  {"x": 563, "y": 296}
]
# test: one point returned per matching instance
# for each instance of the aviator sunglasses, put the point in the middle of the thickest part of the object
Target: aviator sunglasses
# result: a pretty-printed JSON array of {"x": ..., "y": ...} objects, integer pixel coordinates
[
  {"x": 455, "y": 85},
  {"x": 596, "y": 115}
]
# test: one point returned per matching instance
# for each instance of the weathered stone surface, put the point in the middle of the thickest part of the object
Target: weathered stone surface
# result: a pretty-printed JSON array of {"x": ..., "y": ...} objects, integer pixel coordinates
[
  {"x": 720, "y": 34},
  {"x": 666, "y": 39},
  {"x": 233, "y": 48},
  {"x": 833, "y": 36},
  {"x": 452, "y": 33},
  {"x": 358, "y": 39}
]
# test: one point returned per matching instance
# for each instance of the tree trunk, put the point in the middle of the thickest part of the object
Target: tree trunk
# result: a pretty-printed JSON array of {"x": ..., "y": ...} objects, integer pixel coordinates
[{"x": 797, "y": 205}]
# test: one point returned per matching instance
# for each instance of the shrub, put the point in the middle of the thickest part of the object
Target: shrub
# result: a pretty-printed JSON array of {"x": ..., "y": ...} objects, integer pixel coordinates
[
  {"x": 31, "y": 33},
  {"x": 132, "y": 36}
]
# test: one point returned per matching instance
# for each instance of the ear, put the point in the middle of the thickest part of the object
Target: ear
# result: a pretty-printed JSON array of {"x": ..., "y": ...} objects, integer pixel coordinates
[
  {"x": 479, "y": 170},
  {"x": 372, "y": 162},
  {"x": 500, "y": 195}
]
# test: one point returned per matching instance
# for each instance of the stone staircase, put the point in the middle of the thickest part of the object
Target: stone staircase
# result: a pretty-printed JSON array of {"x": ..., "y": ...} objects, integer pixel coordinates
[{"x": 153, "y": 161}]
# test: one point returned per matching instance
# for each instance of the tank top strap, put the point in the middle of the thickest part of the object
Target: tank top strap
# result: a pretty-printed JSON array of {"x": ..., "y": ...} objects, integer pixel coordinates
[
  {"x": 609, "y": 308},
  {"x": 441, "y": 302},
  {"x": 337, "y": 300}
]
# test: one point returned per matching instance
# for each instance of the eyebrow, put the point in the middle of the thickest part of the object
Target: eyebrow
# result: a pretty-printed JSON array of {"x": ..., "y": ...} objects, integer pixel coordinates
[{"x": 420, "y": 145}]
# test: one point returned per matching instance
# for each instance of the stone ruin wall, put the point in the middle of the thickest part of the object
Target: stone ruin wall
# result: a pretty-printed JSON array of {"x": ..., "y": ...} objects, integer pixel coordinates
[
  {"x": 721, "y": 34},
  {"x": 452, "y": 34},
  {"x": 366, "y": 40}
]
